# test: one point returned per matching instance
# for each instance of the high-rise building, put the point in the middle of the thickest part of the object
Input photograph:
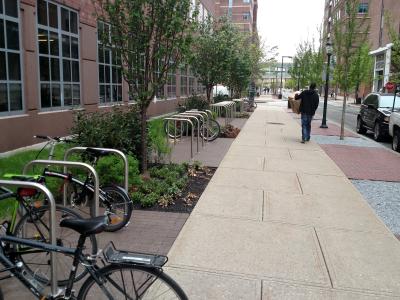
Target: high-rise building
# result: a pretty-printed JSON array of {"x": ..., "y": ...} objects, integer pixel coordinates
[
  {"x": 52, "y": 63},
  {"x": 376, "y": 12},
  {"x": 243, "y": 13}
]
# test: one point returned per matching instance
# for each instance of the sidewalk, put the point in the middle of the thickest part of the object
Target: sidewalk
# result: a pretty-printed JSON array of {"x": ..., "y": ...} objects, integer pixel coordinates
[{"x": 280, "y": 220}]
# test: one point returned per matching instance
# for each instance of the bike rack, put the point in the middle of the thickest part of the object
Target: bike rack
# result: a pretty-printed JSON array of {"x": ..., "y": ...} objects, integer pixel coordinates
[
  {"x": 241, "y": 104},
  {"x": 80, "y": 165},
  {"x": 189, "y": 117},
  {"x": 228, "y": 106},
  {"x": 52, "y": 231},
  {"x": 115, "y": 151},
  {"x": 183, "y": 120},
  {"x": 206, "y": 118},
  {"x": 196, "y": 114}
]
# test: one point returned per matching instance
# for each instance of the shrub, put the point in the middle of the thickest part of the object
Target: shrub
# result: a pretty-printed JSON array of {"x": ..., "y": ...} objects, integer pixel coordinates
[
  {"x": 196, "y": 102},
  {"x": 111, "y": 170},
  {"x": 118, "y": 129},
  {"x": 157, "y": 139},
  {"x": 220, "y": 98}
]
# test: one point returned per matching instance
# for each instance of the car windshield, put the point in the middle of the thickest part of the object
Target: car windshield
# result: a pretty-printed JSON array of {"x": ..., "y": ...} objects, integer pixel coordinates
[{"x": 387, "y": 101}]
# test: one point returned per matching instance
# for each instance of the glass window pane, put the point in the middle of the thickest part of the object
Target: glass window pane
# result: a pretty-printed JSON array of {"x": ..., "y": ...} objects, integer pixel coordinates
[
  {"x": 53, "y": 43},
  {"x": 102, "y": 92},
  {"x": 101, "y": 73},
  {"x": 64, "y": 19},
  {"x": 44, "y": 69},
  {"x": 3, "y": 69},
  {"x": 75, "y": 71},
  {"x": 67, "y": 95},
  {"x": 55, "y": 69},
  {"x": 42, "y": 12},
  {"x": 74, "y": 48},
  {"x": 55, "y": 95},
  {"x": 11, "y": 7},
  {"x": 43, "y": 41},
  {"x": 1, "y": 6},
  {"x": 101, "y": 54},
  {"x": 12, "y": 35},
  {"x": 107, "y": 74},
  {"x": 66, "y": 46},
  {"x": 74, "y": 22},
  {"x": 100, "y": 26},
  {"x": 3, "y": 97},
  {"x": 119, "y": 98},
  {"x": 107, "y": 55},
  {"x": 45, "y": 94},
  {"x": 119, "y": 74},
  {"x": 114, "y": 75},
  {"x": 15, "y": 97},
  {"x": 67, "y": 70},
  {"x": 14, "y": 72},
  {"x": 53, "y": 17},
  {"x": 2, "y": 42},
  {"x": 108, "y": 92},
  {"x": 76, "y": 94}
]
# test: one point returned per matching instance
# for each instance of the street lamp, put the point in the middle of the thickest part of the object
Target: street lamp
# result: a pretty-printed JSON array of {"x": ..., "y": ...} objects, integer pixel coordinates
[
  {"x": 280, "y": 88},
  {"x": 329, "y": 50}
]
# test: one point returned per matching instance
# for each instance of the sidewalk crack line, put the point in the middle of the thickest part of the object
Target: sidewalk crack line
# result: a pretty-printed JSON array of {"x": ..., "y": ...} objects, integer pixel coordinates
[
  {"x": 323, "y": 256},
  {"x": 298, "y": 180}
]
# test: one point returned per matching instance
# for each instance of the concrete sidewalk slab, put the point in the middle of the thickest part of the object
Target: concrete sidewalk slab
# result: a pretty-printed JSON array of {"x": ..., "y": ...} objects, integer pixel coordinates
[
  {"x": 259, "y": 151},
  {"x": 321, "y": 167},
  {"x": 257, "y": 249},
  {"x": 231, "y": 202},
  {"x": 319, "y": 211},
  {"x": 241, "y": 161}
]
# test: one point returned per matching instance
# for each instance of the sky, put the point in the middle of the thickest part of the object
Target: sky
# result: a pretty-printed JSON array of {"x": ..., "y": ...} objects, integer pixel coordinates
[{"x": 286, "y": 23}]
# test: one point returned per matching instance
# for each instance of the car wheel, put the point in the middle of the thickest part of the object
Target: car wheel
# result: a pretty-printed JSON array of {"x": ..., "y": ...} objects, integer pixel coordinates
[
  {"x": 396, "y": 141},
  {"x": 377, "y": 132},
  {"x": 360, "y": 126}
]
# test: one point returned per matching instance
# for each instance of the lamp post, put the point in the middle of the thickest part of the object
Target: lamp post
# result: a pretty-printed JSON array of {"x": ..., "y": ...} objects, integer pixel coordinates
[
  {"x": 329, "y": 50},
  {"x": 280, "y": 88}
]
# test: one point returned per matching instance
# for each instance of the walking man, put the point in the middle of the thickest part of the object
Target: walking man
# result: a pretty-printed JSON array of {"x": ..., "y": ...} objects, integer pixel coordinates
[{"x": 308, "y": 106}]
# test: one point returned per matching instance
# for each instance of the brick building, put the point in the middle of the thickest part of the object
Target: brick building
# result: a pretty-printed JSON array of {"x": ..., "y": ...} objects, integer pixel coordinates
[
  {"x": 243, "y": 13},
  {"x": 52, "y": 64},
  {"x": 378, "y": 36}
]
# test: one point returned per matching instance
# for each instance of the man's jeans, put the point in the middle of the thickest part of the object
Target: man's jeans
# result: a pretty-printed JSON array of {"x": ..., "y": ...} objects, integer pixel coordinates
[{"x": 306, "y": 127}]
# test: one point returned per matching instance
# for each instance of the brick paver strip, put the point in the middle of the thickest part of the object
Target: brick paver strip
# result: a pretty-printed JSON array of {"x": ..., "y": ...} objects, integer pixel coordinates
[{"x": 365, "y": 163}]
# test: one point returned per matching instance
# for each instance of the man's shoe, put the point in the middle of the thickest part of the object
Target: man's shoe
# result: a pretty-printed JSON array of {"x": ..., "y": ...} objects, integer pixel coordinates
[
  {"x": 307, "y": 140},
  {"x": 303, "y": 141}
]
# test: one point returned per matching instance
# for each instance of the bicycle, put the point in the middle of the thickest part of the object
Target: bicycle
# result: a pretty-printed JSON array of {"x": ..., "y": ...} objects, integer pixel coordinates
[
  {"x": 249, "y": 105},
  {"x": 142, "y": 272},
  {"x": 114, "y": 199},
  {"x": 177, "y": 129},
  {"x": 32, "y": 224}
]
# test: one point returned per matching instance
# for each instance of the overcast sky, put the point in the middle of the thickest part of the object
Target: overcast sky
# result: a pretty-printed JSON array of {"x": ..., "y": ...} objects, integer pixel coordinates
[{"x": 285, "y": 23}]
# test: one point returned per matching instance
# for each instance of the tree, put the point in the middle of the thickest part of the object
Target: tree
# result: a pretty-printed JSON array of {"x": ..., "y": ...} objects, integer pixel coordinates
[
  {"x": 212, "y": 54},
  {"x": 349, "y": 33},
  {"x": 395, "y": 55},
  {"x": 151, "y": 37}
]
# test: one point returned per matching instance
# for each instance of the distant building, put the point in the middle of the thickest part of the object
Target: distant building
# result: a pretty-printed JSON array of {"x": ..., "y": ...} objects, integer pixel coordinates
[
  {"x": 271, "y": 76},
  {"x": 243, "y": 13}
]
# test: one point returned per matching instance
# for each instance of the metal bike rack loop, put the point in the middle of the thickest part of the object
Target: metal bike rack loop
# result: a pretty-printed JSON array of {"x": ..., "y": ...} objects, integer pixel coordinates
[
  {"x": 80, "y": 165},
  {"x": 115, "y": 151},
  {"x": 196, "y": 114},
  {"x": 182, "y": 120},
  {"x": 52, "y": 225},
  {"x": 197, "y": 123},
  {"x": 229, "y": 107},
  {"x": 205, "y": 121}
]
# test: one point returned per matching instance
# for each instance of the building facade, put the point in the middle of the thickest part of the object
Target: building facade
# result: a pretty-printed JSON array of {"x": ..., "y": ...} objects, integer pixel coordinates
[
  {"x": 52, "y": 63},
  {"x": 378, "y": 35},
  {"x": 243, "y": 13}
]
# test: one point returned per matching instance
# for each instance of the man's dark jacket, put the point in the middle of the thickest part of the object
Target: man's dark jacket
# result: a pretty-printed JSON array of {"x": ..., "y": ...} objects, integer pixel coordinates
[{"x": 309, "y": 102}]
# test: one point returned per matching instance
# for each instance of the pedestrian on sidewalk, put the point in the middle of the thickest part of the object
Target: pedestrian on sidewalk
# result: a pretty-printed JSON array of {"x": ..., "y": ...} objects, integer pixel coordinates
[{"x": 308, "y": 106}]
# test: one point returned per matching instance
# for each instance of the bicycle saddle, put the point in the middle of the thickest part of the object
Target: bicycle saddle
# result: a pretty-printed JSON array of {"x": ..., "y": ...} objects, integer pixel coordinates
[
  {"x": 86, "y": 226},
  {"x": 97, "y": 152}
]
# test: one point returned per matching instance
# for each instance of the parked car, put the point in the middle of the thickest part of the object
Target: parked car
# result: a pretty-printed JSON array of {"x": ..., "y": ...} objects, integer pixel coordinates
[
  {"x": 375, "y": 113},
  {"x": 394, "y": 130}
]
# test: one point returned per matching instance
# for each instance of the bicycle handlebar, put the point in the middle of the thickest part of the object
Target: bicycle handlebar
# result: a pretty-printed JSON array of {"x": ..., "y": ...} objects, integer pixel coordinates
[{"x": 54, "y": 138}]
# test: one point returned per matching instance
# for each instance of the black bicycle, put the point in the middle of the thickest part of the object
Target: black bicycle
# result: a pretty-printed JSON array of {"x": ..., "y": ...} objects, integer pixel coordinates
[
  {"x": 115, "y": 201},
  {"x": 126, "y": 275},
  {"x": 29, "y": 219}
]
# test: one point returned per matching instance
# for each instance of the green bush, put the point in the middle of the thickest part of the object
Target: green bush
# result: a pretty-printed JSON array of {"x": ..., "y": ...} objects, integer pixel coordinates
[
  {"x": 111, "y": 170},
  {"x": 150, "y": 199},
  {"x": 196, "y": 102},
  {"x": 157, "y": 139},
  {"x": 118, "y": 129}
]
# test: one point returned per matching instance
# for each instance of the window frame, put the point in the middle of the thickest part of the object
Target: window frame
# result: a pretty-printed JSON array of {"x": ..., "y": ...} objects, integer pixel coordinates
[
  {"x": 246, "y": 16},
  {"x": 363, "y": 8},
  {"x": 60, "y": 33},
  {"x": 5, "y": 17}
]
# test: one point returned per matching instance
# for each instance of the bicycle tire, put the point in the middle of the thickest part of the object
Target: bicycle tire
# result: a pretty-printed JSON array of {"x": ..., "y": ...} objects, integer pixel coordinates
[
  {"x": 212, "y": 127},
  {"x": 35, "y": 262},
  {"x": 170, "y": 131},
  {"x": 117, "y": 197},
  {"x": 146, "y": 282}
]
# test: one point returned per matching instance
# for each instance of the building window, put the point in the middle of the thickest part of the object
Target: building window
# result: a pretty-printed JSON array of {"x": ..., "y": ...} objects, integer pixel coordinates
[
  {"x": 246, "y": 1},
  {"x": 10, "y": 59},
  {"x": 109, "y": 61},
  {"x": 58, "y": 42},
  {"x": 363, "y": 8},
  {"x": 246, "y": 16},
  {"x": 160, "y": 93},
  {"x": 184, "y": 81},
  {"x": 191, "y": 82},
  {"x": 171, "y": 83}
]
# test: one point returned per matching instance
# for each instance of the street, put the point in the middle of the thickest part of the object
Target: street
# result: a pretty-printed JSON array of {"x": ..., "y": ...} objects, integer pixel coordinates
[{"x": 334, "y": 114}]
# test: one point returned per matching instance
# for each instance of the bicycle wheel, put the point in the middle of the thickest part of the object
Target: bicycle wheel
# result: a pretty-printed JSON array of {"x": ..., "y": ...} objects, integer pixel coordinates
[
  {"x": 34, "y": 225},
  {"x": 132, "y": 282},
  {"x": 173, "y": 129},
  {"x": 117, "y": 205},
  {"x": 212, "y": 130}
]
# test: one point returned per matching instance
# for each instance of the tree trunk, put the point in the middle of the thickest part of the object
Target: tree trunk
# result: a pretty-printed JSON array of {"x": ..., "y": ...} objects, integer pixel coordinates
[
  {"x": 208, "y": 91},
  {"x": 356, "y": 92},
  {"x": 143, "y": 123},
  {"x": 343, "y": 115}
]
